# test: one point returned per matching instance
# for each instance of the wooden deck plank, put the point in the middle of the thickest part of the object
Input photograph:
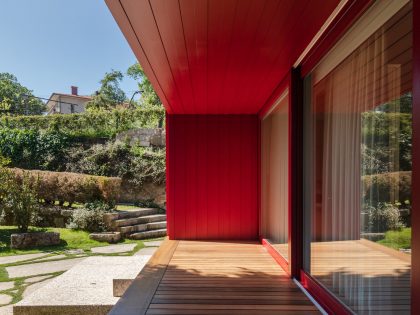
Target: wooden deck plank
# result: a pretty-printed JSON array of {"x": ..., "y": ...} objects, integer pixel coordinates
[
  {"x": 215, "y": 278},
  {"x": 226, "y": 278}
]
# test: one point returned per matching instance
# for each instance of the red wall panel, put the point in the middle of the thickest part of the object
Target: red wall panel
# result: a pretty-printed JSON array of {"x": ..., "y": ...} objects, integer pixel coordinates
[{"x": 212, "y": 176}]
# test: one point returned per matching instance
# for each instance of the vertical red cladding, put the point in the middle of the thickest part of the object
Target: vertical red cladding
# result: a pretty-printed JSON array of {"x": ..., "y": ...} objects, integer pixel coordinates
[{"x": 213, "y": 177}]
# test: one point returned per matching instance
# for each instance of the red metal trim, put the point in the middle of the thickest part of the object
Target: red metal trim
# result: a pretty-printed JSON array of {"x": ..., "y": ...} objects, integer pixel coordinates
[
  {"x": 328, "y": 301},
  {"x": 295, "y": 173},
  {"x": 415, "y": 184},
  {"x": 343, "y": 21},
  {"x": 259, "y": 178},
  {"x": 275, "y": 254}
]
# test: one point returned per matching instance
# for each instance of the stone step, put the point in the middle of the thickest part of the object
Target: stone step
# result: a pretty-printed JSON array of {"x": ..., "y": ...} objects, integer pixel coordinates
[
  {"x": 139, "y": 220},
  {"x": 137, "y": 213},
  {"x": 109, "y": 217},
  {"x": 148, "y": 234},
  {"x": 156, "y": 225},
  {"x": 142, "y": 227},
  {"x": 132, "y": 228}
]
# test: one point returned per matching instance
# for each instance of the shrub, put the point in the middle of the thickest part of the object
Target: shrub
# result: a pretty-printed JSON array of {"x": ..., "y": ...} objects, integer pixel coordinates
[
  {"x": 383, "y": 217},
  {"x": 18, "y": 199},
  {"x": 90, "y": 217},
  {"x": 134, "y": 165},
  {"x": 71, "y": 187},
  {"x": 33, "y": 149}
]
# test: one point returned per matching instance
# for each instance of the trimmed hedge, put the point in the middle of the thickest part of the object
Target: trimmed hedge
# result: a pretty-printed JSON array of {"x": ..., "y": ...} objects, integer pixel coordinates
[
  {"x": 72, "y": 187},
  {"x": 88, "y": 124}
]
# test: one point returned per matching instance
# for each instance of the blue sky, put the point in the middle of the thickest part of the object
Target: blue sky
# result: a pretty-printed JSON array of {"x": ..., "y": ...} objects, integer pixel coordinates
[{"x": 53, "y": 44}]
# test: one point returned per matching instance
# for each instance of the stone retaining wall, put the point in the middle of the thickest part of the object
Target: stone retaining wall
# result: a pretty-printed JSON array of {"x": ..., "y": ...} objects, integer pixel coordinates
[
  {"x": 54, "y": 216},
  {"x": 144, "y": 137}
]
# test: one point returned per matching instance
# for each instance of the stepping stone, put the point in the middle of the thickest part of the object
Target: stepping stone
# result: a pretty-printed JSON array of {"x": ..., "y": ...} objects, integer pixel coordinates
[
  {"x": 74, "y": 251},
  {"x": 42, "y": 268},
  {"x": 87, "y": 288},
  {"x": 5, "y": 299},
  {"x": 34, "y": 287},
  {"x": 146, "y": 251},
  {"x": 7, "y": 285},
  {"x": 36, "y": 279},
  {"x": 6, "y": 310},
  {"x": 18, "y": 258},
  {"x": 51, "y": 258},
  {"x": 113, "y": 249},
  {"x": 152, "y": 243}
]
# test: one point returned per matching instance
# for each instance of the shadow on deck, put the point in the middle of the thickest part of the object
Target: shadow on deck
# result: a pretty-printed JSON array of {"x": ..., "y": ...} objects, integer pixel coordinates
[{"x": 198, "y": 277}]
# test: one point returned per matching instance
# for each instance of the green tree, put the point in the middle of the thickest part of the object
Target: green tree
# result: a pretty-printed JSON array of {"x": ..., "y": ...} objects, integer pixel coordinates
[
  {"x": 109, "y": 95},
  {"x": 148, "y": 94},
  {"x": 15, "y": 99},
  {"x": 18, "y": 198}
]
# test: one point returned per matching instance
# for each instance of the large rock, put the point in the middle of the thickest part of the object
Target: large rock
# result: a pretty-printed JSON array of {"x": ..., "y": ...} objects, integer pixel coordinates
[
  {"x": 54, "y": 216},
  {"x": 26, "y": 240},
  {"x": 110, "y": 237}
]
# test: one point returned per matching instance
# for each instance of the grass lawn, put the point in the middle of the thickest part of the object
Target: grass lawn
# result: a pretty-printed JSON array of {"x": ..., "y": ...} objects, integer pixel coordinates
[
  {"x": 126, "y": 207},
  {"x": 397, "y": 239},
  {"x": 70, "y": 239}
]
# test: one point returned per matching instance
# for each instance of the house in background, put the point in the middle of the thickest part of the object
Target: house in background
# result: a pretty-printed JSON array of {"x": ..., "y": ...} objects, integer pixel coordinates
[{"x": 60, "y": 103}]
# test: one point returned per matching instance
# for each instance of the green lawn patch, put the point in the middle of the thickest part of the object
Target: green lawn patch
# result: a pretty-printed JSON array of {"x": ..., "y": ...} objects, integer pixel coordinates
[
  {"x": 70, "y": 239},
  {"x": 126, "y": 207},
  {"x": 397, "y": 239}
]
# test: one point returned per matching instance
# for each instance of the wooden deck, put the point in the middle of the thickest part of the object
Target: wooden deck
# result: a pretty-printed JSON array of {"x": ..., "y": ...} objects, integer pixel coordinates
[
  {"x": 192, "y": 277},
  {"x": 369, "y": 277}
]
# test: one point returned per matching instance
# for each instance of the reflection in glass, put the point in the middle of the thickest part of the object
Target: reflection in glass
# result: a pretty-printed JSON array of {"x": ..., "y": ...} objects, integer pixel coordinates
[
  {"x": 274, "y": 169},
  {"x": 359, "y": 173}
]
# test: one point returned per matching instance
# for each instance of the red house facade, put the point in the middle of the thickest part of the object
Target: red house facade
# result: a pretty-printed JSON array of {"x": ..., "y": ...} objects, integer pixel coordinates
[{"x": 297, "y": 124}]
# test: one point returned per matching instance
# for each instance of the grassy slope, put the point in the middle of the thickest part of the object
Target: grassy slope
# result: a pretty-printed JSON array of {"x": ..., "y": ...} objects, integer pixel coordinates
[
  {"x": 70, "y": 239},
  {"x": 397, "y": 239}
]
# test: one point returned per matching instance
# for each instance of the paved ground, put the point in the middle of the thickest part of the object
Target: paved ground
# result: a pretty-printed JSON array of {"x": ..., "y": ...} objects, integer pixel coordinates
[
  {"x": 18, "y": 258},
  {"x": 146, "y": 251},
  {"x": 7, "y": 285},
  {"x": 88, "y": 279},
  {"x": 113, "y": 249},
  {"x": 6, "y": 310},
  {"x": 36, "y": 279},
  {"x": 31, "y": 288},
  {"x": 153, "y": 243},
  {"x": 5, "y": 299},
  {"x": 42, "y": 268},
  {"x": 55, "y": 257},
  {"x": 86, "y": 284}
]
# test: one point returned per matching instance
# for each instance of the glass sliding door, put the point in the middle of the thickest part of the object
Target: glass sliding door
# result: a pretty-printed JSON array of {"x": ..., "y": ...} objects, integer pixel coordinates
[
  {"x": 275, "y": 176},
  {"x": 358, "y": 107}
]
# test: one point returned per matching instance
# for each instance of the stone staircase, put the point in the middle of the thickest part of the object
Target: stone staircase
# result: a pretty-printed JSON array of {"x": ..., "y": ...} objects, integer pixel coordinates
[{"x": 137, "y": 224}]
